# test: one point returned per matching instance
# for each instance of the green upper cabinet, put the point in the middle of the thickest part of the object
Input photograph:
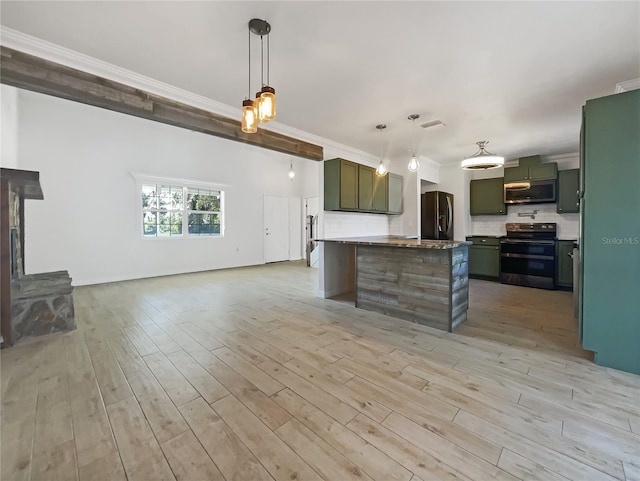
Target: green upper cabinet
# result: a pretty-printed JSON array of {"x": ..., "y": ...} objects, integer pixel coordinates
[
  {"x": 353, "y": 187},
  {"x": 487, "y": 197},
  {"x": 568, "y": 191},
  {"x": 394, "y": 183},
  {"x": 380, "y": 193},
  {"x": 372, "y": 190},
  {"x": 530, "y": 168},
  {"x": 366, "y": 177},
  {"x": 531, "y": 172},
  {"x": 514, "y": 174},
  {"x": 340, "y": 185}
]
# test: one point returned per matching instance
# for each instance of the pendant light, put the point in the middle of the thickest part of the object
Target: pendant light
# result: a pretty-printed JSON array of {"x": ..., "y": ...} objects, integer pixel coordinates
[
  {"x": 292, "y": 173},
  {"x": 414, "y": 165},
  {"x": 249, "y": 108},
  {"x": 382, "y": 169},
  {"x": 266, "y": 98},
  {"x": 482, "y": 160},
  {"x": 263, "y": 108}
]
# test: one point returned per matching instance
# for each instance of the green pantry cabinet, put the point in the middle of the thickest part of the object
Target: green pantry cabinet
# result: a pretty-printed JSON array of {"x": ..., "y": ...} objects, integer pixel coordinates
[
  {"x": 610, "y": 230},
  {"x": 353, "y": 187},
  {"x": 487, "y": 197},
  {"x": 484, "y": 257}
]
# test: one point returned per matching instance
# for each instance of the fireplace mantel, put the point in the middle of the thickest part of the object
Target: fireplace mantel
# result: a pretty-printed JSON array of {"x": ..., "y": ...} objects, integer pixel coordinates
[{"x": 15, "y": 186}]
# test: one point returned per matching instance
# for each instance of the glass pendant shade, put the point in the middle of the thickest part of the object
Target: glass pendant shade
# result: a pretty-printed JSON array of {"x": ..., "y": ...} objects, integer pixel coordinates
[
  {"x": 249, "y": 117},
  {"x": 267, "y": 104},
  {"x": 414, "y": 165},
  {"x": 381, "y": 170},
  {"x": 292, "y": 173},
  {"x": 482, "y": 160}
]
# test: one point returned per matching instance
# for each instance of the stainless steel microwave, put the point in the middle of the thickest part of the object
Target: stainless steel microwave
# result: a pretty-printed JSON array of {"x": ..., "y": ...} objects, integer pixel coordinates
[{"x": 530, "y": 192}]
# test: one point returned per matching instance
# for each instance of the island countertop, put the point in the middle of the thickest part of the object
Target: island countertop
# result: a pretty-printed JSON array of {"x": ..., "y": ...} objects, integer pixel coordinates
[{"x": 398, "y": 241}]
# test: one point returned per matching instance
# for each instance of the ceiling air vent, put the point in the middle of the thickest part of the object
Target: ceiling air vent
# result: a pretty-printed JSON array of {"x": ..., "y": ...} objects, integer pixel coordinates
[{"x": 433, "y": 123}]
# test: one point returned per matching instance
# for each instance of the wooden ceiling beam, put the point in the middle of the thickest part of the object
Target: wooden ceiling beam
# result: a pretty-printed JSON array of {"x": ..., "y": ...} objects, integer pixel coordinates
[{"x": 29, "y": 72}]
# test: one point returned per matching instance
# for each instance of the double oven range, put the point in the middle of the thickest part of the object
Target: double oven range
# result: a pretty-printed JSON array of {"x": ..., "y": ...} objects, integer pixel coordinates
[{"x": 528, "y": 255}]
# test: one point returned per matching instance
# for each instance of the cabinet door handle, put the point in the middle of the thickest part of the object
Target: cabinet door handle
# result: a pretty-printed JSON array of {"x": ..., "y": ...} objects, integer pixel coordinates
[{"x": 483, "y": 240}]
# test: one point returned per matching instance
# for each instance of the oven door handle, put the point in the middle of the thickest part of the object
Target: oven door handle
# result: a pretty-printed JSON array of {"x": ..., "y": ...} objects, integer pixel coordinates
[
  {"x": 528, "y": 241},
  {"x": 527, "y": 256}
]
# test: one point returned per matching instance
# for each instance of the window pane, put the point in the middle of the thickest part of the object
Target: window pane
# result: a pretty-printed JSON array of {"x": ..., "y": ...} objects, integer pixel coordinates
[
  {"x": 170, "y": 197},
  {"x": 170, "y": 223},
  {"x": 149, "y": 199},
  {"x": 203, "y": 199},
  {"x": 204, "y": 224},
  {"x": 149, "y": 223}
]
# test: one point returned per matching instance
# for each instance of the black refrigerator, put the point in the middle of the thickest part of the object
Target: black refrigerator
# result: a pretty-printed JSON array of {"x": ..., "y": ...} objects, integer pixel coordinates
[{"x": 436, "y": 214}]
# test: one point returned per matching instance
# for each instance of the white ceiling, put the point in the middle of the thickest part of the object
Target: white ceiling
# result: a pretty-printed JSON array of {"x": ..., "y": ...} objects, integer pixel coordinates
[{"x": 513, "y": 73}]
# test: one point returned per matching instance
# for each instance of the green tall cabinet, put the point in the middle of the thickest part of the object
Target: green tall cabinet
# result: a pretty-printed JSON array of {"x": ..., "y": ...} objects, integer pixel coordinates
[{"x": 610, "y": 230}]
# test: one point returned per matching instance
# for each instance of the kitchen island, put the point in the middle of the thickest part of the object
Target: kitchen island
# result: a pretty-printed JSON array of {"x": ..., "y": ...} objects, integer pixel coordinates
[{"x": 423, "y": 281}]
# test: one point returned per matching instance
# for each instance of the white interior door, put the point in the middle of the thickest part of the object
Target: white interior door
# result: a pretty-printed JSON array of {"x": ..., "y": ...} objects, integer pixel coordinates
[{"x": 276, "y": 228}]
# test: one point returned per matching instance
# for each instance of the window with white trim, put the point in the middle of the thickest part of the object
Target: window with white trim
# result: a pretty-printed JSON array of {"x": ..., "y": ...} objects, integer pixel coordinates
[{"x": 168, "y": 208}]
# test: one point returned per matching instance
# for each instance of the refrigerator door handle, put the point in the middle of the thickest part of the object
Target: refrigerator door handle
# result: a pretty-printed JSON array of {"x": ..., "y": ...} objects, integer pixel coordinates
[{"x": 449, "y": 214}]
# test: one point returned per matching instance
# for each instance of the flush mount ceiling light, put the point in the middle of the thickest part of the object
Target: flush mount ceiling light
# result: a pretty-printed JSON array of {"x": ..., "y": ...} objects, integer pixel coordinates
[
  {"x": 263, "y": 108},
  {"x": 381, "y": 170},
  {"x": 414, "y": 165},
  {"x": 482, "y": 159}
]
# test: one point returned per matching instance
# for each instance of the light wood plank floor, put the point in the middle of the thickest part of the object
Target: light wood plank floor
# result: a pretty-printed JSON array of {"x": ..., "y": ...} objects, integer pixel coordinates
[{"x": 244, "y": 375}]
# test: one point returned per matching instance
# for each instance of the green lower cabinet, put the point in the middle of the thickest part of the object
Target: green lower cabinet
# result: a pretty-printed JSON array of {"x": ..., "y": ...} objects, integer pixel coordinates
[
  {"x": 564, "y": 271},
  {"x": 484, "y": 258},
  {"x": 487, "y": 197},
  {"x": 568, "y": 191}
]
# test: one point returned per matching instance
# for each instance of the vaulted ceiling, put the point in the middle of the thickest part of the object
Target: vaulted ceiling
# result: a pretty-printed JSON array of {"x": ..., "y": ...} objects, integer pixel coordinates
[{"x": 513, "y": 73}]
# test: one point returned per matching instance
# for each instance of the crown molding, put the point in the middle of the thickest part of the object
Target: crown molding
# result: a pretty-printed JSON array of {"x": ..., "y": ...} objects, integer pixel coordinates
[
  {"x": 55, "y": 53},
  {"x": 632, "y": 84},
  {"x": 561, "y": 157}
]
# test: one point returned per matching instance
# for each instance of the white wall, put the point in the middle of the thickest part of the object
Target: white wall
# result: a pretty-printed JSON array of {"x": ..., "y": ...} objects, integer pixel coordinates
[
  {"x": 88, "y": 222},
  {"x": 9, "y": 126}
]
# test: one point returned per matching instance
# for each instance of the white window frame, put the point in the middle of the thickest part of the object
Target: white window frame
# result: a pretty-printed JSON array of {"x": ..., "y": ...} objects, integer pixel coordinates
[{"x": 142, "y": 179}]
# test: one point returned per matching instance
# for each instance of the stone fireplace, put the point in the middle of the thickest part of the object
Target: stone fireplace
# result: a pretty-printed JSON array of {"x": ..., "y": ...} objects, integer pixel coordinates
[{"x": 34, "y": 304}]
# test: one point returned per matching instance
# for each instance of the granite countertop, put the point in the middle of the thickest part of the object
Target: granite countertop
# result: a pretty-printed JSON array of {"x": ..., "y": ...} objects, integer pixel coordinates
[{"x": 398, "y": 241}]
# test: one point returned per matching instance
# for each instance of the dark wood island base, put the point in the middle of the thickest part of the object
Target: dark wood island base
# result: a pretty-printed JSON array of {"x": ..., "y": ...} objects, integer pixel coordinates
[{"x": 422, "y": 281}]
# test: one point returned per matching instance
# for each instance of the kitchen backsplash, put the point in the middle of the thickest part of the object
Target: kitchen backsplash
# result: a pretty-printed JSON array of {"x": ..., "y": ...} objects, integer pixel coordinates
[
  {"x": 568, "y": 224},
  {"x": 351, "y": 224}
]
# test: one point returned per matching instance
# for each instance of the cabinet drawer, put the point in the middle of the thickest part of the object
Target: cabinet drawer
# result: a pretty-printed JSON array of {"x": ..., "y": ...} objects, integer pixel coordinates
[{"x": 484, "y": 241}]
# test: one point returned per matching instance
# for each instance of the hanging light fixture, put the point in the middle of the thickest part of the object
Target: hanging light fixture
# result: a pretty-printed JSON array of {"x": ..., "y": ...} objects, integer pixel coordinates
[
  {"x": 482, "y": 159},
  {"x": 382, "y": 169},
  {"x": 292, "y": 173},
  {"x": 263, "y": 108},
  {"x": 249, "y": 108},
  {"x": 414, "y": 165},
  {"x": 266, "y": 98}
]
